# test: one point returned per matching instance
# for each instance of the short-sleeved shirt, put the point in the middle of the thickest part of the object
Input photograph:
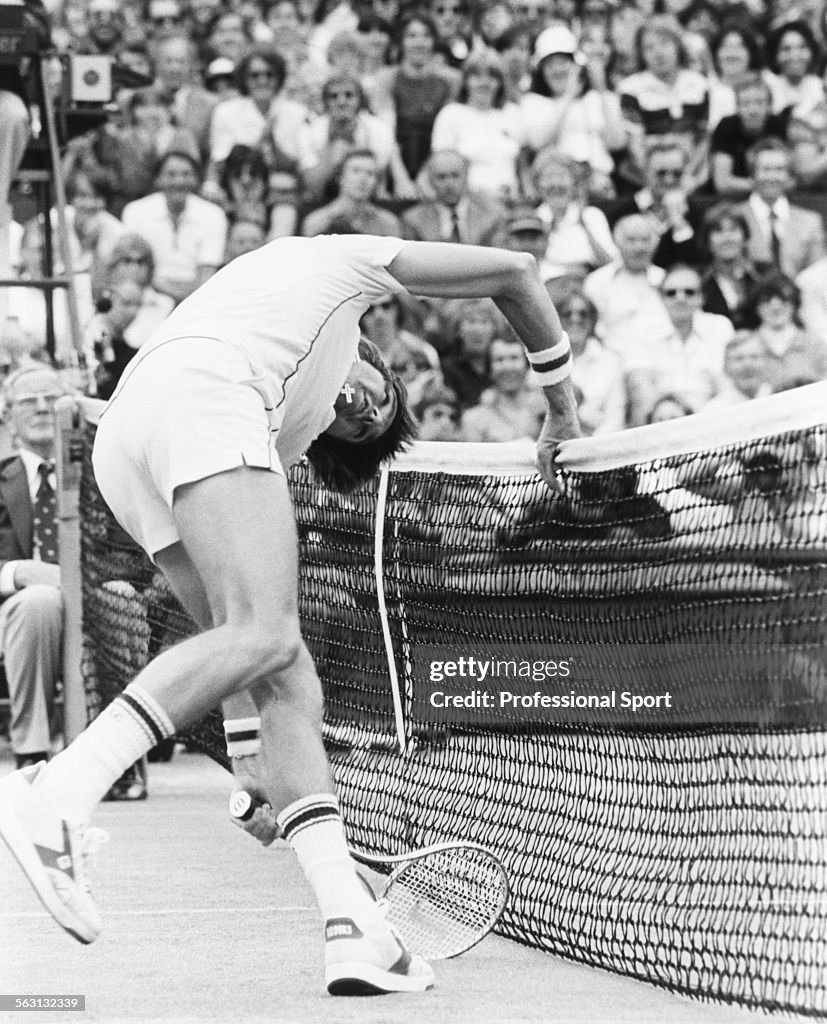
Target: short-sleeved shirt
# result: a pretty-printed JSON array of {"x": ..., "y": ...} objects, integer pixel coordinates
[
  {"x": 197, "y": 240},
  {"x": 292, "y": 308},
  {"x": 658, "y": 108}
]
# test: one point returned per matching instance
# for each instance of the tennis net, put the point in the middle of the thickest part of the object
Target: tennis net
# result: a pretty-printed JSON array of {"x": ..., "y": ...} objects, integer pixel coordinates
[{"x": 621, "y": 691}]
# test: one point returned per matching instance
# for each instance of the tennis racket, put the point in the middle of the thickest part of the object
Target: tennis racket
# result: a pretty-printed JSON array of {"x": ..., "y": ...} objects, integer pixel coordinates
[{"x": 442, "y": 899}]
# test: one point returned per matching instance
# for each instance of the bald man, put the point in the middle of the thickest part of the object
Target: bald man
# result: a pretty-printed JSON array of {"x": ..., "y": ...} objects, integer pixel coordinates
[
  {"x": 625, "y": 291},
  {"x": 31, "y": 602}
]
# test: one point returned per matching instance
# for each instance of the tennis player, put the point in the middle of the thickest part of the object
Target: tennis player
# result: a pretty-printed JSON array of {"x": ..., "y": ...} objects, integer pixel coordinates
[{"x": 262, "y": 364}]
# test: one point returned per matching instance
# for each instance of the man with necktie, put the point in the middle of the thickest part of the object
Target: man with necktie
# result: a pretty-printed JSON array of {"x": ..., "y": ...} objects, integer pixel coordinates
[
  {"x": 782, "y": 235},
  {"x": 31, "y": 602},
  {"x": 453, "y": 214}
]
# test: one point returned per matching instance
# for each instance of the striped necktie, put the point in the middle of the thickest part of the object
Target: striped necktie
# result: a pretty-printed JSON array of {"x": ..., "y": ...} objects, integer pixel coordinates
[
  {"x": 455, "y": 232},
  {"x": 775, "y": 237},
  {"x": 44, "y": 521}
]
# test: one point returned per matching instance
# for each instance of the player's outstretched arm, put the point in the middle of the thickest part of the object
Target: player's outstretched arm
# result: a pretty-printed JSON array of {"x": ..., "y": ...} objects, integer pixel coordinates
[{"x": 512, "y": 280}]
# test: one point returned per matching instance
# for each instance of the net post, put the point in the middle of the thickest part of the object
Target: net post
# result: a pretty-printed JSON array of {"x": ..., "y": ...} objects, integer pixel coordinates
[
  {"x": 68, "y": 466},
  {"x": 379, "y": 571}
]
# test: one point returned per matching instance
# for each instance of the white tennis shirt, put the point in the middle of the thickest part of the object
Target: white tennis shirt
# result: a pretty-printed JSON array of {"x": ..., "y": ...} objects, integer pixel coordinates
[{"x": 293, "y": 308}]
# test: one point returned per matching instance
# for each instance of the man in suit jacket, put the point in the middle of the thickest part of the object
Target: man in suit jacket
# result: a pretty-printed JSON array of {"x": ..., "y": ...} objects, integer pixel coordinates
[
  {"x": 781, "y": 235},
  {"x": 31, "y": 602},
  {"x": 454, "y": 214}
]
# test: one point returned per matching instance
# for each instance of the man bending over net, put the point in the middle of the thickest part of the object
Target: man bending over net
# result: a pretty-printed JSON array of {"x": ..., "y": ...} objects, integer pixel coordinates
[{"x": 260, "y": 365}]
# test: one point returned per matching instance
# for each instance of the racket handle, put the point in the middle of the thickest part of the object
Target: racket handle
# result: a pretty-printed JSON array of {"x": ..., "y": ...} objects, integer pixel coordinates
[{"x": 242, "y": 805}]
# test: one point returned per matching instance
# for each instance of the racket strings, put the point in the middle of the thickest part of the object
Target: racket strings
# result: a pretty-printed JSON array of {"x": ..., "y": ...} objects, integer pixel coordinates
[{"x": 445, "y": 902}]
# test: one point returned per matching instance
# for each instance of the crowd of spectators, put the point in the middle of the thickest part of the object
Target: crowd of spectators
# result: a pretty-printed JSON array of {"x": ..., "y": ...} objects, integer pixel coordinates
[{"x": 665, "y": 162}]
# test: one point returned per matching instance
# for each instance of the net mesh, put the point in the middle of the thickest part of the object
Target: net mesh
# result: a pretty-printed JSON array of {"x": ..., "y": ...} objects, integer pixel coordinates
[{"x": 683, "y": 842}]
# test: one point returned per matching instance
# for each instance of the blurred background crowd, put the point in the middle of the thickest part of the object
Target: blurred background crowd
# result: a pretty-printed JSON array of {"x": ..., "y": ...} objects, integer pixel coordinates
[{"x": 664, "y": 160}]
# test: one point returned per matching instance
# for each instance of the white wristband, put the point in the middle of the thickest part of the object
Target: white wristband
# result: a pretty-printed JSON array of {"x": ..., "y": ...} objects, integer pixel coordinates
[
  {"x": 243, "y": 736},
  {"x": 552, "y": 365}
]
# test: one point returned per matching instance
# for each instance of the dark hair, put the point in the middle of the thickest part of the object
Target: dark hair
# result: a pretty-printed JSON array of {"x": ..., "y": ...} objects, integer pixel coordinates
[
  {"x": 179, "y": 154},
  {"x": 271, "y": 57},
  {"x": 697, "y": 7},
  {"x": 423, "y": 18},
  {"x": 775, "y": 285},
  {"x": 768, "y": 144},
  {"x": 239, "y": 158},
  {"x": 370, "y": 22},
  {"x": 715, "y": 217},
  {"x": 344, "y": 466},
  {"x": 396, "y": 304},
  {"x": 538, "y": 81},
  {"x": 737, "y": 28},
  {"x": 801, "y": 28}
]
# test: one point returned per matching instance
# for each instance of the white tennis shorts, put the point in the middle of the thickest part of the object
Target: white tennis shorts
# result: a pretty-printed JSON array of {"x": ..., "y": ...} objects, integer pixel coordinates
[{"x": 190, "y": 409}]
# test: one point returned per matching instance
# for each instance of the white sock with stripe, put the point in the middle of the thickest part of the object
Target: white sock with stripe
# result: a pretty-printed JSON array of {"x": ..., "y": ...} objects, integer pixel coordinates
[
  {"x": 314, "y": 829},
  {"x": 75, "y": 781}
]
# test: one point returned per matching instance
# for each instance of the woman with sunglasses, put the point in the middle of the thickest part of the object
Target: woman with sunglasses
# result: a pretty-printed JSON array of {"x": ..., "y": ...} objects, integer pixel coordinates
[
  {"x": 132, "y": 260},
  {"x": 260, "y": 116},
  {"x": 597, "y": 375},
  {"x": 687, "y": 359}
]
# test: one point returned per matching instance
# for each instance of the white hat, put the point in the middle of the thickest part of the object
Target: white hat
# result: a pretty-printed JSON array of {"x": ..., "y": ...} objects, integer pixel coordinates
[
  {"x": 220, "y": 66},
  {"x": 557, "y": 39}
]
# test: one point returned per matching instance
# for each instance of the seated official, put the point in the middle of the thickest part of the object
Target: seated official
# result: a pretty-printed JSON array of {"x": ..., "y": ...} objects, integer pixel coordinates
[{"x": 31, "y": 602}]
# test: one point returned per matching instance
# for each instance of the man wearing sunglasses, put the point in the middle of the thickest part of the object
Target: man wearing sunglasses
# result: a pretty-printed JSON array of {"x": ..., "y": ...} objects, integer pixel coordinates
[
  {"x": 663, "y": 200},
  {"x": 31, "y": 603},
  {"x": 262, "y": 365},
  {"x": 687, "y": 359}
]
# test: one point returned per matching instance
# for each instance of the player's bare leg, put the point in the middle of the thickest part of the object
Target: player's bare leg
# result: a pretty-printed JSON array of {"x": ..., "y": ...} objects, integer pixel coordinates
[
  {"x": 362, "y": 954},
  {"x": 238, "y": 533}
]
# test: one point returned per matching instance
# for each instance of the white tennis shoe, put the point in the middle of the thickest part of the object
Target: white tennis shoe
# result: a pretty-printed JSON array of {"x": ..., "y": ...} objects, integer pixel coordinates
[
  {"x": 360, "y": 964},
  {"x": 52, "y": 852}
]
